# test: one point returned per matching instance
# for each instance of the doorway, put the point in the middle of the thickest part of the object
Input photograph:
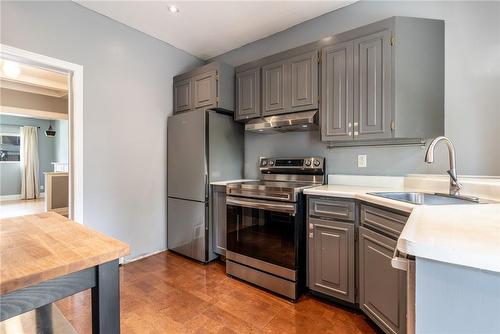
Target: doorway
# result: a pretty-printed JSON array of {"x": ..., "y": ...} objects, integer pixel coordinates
[{"x": 41, "y": 106}]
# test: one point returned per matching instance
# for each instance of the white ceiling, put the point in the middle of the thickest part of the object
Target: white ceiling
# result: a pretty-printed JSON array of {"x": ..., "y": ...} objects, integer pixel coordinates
[
  {"x": 209, "y": 28},
  {"x": 35, "y": 80}
]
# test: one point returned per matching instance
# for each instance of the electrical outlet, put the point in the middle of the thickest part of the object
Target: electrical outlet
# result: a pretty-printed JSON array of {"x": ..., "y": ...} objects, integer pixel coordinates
[
  {"x": 362, "y": 161},
  {"x": 41, "y": 187}
]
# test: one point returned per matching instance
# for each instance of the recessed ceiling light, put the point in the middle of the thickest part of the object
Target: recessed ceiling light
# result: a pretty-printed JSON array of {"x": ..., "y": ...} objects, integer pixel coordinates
[
  {"x": 11, "y": 69},
  {"x": 173, "y": 9}
]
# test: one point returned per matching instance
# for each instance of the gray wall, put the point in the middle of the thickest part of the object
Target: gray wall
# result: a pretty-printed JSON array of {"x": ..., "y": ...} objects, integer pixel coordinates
[
  {"x": 61, "y": 140},
  {"x": 10, "y": 173},
  {"x": 127, "y": 98},
  {"x": 472, "y": 99}
]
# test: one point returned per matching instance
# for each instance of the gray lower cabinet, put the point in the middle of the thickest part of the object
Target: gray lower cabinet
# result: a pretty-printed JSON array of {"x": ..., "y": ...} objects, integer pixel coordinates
[
  {"x": 331, "y": 258},
  {"x": 247, "y": 94},
  {"x": 219, "y": 220},
  {"x": 382, "y": 289},
  {"x": 275, "y": 91}
]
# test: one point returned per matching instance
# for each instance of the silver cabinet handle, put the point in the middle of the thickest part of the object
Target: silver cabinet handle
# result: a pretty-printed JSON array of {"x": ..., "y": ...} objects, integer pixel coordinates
[{"x": 399, "y": 262}]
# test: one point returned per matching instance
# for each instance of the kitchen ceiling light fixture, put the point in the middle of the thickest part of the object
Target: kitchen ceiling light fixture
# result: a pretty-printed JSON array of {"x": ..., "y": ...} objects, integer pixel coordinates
[
  {"x": 49, "y": 132},
  {"x": 11, "y": 69},
  {"x": 173, "y": 9}
]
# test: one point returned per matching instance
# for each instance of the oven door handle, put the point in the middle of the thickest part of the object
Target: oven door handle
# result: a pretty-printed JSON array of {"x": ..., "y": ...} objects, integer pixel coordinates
[{"x": 264, "y": 205}]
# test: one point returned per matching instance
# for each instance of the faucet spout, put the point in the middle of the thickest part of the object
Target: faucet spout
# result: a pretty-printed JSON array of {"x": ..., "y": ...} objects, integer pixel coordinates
[{"x": 455, "y": 186}]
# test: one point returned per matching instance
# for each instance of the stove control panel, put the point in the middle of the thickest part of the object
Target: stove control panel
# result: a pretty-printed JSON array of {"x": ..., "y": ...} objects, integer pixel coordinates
[{"x": 291, "y": 163}]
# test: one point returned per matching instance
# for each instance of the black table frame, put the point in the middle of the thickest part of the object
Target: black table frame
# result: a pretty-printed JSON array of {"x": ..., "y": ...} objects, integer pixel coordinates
[{"x": 103, "y": 279}]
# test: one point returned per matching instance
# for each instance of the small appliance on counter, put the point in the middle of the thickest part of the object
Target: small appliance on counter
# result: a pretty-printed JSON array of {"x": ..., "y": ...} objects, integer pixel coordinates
[{"x": 266, "y": 225}]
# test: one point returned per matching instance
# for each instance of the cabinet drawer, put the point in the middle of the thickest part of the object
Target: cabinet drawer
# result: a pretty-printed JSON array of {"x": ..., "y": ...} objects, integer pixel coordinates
[
  {"x": 385, "y": 221},
  {"x": 331, "y": 208}
]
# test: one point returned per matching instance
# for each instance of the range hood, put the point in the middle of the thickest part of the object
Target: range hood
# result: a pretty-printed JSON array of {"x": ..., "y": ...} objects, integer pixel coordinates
[{"x": 299, "y": 121}]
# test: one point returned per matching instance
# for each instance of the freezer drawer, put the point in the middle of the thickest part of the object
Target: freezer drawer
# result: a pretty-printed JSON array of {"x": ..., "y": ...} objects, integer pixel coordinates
[{"x": 186, "y": 228}]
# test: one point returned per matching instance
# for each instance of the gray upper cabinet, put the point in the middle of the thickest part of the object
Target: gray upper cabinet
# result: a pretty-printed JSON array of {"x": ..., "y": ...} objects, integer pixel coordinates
[
  {"x": 382, "y": 294},
  {"x": 275, "y": 91},
  {"x": 182, "y": 95},
  {"x": 331, "y": 258},
  {"x": 372, "y": 86},
  {"x": 279, "y": 84},
  {"x": 247, "y": 94},
  {"x": 337, "y": 92},
  {"x": 205, "y": 90},
  {"x": 207, "y": 87},
  {"x": 383, "y": 83},
  {"x": 304, "y": 81}
]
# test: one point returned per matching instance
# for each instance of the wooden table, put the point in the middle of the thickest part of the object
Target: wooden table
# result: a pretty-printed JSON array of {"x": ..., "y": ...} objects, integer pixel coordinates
[{"x": 46, "y": 257}]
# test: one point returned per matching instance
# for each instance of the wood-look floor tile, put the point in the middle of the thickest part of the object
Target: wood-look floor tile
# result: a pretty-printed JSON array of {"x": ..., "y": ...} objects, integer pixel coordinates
[{"x": 168, "y": 293}]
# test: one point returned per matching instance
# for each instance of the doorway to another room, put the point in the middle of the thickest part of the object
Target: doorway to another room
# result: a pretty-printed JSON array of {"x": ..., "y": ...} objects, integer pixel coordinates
[{"x": 34, "y": 140}]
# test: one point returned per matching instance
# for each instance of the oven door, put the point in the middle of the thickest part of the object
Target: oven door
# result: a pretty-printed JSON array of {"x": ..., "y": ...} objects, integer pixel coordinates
[{"x": 263, "y": 230}]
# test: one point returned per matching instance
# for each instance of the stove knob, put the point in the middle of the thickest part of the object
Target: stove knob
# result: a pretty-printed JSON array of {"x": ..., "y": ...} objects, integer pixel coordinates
[
  {"x": 264, "y": 162},
  {"x": 308, "y": 163},
  {"x": 271, "y": 163},
  {"x": 316, "y": 163}
]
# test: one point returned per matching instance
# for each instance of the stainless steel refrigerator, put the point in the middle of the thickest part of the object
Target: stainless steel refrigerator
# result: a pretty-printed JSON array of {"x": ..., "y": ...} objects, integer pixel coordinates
[{"x": 203, "y": 146}]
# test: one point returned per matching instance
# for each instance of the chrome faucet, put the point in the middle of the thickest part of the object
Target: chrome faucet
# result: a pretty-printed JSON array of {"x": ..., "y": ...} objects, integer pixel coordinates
[{"x": 455, "y": 186}]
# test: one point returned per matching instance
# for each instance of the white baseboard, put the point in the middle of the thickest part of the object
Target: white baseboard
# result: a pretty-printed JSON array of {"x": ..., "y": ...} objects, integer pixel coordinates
[
  {"x": 15, "y": 197},
  {"x": 124, "y": 261},
  {"x": 10, "y": 197}
]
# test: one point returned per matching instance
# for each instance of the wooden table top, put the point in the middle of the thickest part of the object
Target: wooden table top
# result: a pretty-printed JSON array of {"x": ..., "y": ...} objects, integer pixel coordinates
[{"x": 39, "y": 247}]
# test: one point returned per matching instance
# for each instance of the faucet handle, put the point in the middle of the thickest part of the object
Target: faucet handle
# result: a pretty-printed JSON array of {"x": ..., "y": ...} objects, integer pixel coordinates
[{"x": 455, "y": 182}]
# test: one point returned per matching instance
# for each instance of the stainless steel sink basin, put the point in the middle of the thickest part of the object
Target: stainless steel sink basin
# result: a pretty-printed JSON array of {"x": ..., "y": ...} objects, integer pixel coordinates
[{"x": 427, "y": 199}]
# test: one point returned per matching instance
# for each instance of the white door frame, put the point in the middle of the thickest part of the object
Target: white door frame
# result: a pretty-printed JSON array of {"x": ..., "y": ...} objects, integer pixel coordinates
[{"x": 75, "y": 112}]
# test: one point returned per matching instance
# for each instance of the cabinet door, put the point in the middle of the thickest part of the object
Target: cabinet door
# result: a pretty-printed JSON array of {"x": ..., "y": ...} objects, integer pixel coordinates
[
  {"x": 247, "y": 94},
  {"x": 382, "y": 289},
  {"x": 372, "y": 86},
  {"x": 274, "y": 91},
  {"x": 183, "y": 99},
  {"x": 205, "y": 90},
  {"x": 219, "y": 221},
  {"x": 337, "y": 92},
  {"x": 331, "y": 258},
  {"x": 304, "y": 81}
]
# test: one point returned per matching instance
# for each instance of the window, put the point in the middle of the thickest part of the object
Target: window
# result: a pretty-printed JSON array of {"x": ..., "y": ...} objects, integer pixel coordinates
[{"x": 10, "y": 144}]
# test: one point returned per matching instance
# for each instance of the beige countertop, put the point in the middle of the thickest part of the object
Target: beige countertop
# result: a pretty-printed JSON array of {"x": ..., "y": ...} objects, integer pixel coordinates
[{"x": 467, "y": 235}]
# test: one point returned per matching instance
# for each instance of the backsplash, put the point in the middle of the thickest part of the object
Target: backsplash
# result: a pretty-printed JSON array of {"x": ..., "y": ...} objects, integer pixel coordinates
[{"x": 381, "y": 160}]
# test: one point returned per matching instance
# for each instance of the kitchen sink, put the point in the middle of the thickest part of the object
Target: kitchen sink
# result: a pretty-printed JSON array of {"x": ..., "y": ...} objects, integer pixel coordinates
[{"x": 426, "y": 199}]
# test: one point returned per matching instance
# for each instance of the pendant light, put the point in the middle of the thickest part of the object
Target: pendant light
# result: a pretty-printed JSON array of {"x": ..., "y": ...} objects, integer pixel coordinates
[{"x": 49, "y": 132}]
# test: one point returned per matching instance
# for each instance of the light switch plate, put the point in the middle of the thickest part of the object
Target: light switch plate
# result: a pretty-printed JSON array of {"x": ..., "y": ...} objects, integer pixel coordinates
[{"x": 362, "y": 161}]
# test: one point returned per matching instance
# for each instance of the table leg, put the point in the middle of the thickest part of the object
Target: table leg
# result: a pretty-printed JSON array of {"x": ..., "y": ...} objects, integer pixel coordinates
[
  {"x": 43, "y": 319},
  {"x": 106, "y": 299}
]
